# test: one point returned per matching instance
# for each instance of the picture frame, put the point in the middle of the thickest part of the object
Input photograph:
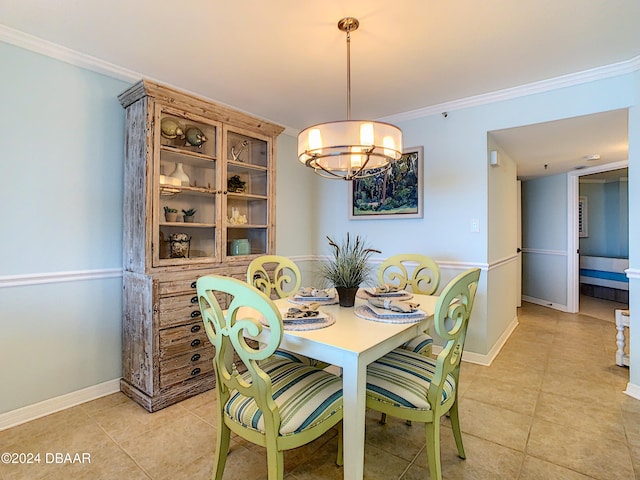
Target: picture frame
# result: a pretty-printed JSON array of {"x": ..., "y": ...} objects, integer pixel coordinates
[{"x": 397, "y": 196}]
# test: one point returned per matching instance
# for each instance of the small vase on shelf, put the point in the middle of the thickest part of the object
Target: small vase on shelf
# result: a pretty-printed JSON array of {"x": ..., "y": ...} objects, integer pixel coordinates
[{"x": 179, "y": 173}]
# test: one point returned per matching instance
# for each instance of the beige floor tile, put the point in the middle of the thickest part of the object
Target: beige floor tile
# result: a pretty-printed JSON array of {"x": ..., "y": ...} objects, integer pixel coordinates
[
  {"x": 580, "y": 389},
  {"x": 536, "y": 469},
  {"x": 165, "y": 449},
  {"x": 485, "y": 460},
  {"x": 106, "y": 402},
  {"x": 520, "y": 376},
  {"x": 586, "y": 415},
  {"x": 498, "y": 425},
  {"x": 529, "y": 358},
  {"x": 106, "y": 463},
  {"x": 576, "y": 450},
  {"x": 596, "y": 372},
  {"x": 407, "y": 441},
  {"x": 505, "y": 395}
]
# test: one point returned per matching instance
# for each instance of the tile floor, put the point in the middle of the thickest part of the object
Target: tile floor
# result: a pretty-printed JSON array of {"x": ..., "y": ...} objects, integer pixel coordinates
[{"x": 550, "y": 407}]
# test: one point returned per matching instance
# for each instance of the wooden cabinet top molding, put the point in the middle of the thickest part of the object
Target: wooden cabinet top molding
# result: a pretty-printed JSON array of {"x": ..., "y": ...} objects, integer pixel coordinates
[{"x": 197, "y": 105}]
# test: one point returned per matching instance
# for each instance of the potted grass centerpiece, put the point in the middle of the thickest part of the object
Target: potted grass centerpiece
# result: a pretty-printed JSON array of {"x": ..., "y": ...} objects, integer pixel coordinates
[{"x": 348, "y": 267}]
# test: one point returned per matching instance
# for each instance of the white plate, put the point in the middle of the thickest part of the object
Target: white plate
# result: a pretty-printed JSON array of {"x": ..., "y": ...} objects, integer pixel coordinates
[
  {"x": 385, "y": 312},
  {"x": 330, "y": 291},
  {"x": 399, "y": 293},
  {"x": 321, "y": 316}
]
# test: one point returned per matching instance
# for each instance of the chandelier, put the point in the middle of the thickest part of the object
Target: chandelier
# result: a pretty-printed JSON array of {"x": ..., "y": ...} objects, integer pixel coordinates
[{"x": 349, "y": 149}]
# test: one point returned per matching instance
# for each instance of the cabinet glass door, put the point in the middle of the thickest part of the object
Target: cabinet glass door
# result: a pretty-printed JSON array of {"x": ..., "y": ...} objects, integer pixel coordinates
[
  {"x": 186, "y": 189},
  {"x": 247, "y": 194}
]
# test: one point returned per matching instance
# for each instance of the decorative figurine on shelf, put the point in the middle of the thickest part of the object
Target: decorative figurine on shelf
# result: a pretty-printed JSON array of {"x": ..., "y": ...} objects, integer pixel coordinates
[
  {"x": 179, "y": 245},
  {"x": 236, "y": 218},
  {"x": 235, "y": 185},
  {"x": 236, "y": 155},
  {"x": 189, "y": 215},
  {"x": 169, "y": 128},
  {"x": 195, "y": 137}
]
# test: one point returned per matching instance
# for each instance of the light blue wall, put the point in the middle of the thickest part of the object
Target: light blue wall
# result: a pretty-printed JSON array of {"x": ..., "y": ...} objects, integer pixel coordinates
[
  {"x": 61, "y": 154},
  {"x": 607, "y": 219}
]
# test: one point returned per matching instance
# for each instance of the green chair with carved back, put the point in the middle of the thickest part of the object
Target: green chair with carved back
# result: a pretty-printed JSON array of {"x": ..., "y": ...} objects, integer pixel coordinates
[
  {"x": 278, "y": 277},
  {"x": 274, "y": 275},
  {"x": 417, "y": 388},
  {"x": 276, "y": 403},
  {"x": 421, "y": 275}
]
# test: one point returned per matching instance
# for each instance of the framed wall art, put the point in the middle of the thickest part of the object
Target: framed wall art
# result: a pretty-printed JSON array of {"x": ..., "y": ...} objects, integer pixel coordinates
[{"x": 396, "y": 193}]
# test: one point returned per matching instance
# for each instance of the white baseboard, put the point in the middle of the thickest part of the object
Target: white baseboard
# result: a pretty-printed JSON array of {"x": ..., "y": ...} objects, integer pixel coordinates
[
  {"x": 633, "y": 390},
  {"x": 486, "y": 359},
  {"x": 545, "y": 303},
  {"x": 53, "y": 405}
]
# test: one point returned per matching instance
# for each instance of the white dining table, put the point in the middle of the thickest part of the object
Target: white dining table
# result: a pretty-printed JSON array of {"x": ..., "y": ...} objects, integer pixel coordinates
[{"x": 352, "y": 343}]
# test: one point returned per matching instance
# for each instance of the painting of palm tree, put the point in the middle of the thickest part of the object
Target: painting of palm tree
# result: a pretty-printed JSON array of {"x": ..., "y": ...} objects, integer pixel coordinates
[{"x": 395, "y": 193}]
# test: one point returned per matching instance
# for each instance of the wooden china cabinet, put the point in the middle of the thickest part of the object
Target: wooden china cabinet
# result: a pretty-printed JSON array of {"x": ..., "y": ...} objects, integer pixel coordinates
[{"x": 184, "y": 153}]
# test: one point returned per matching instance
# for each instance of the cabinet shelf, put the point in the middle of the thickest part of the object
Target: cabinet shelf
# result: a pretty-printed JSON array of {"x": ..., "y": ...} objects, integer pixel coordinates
[
  {"x": 188, "y": 225},
  {"x": 247, "y": 196},
  {"x": 170, "y": 190},
  {"x": 175, "y": 154},
  {"x": 245, "y": 226},
  {"x": 239, "y": 167}
]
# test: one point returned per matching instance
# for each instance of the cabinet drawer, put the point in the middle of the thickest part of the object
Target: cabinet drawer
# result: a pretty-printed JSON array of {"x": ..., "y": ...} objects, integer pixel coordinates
[
  {"x": 184, "y": 367},
  {"x": 181, "y": 340},
  {"x": 176, "y": 310},
  {"x": 178, "y": 286}
]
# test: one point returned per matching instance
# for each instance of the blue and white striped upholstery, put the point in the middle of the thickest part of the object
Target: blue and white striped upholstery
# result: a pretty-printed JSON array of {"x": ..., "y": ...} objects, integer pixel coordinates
[
  {"x": 305, "y": 396},
  {"x": 296, "y": 357},
  {"x": 419, "y": 344},
  {"x": 402, "y": 378},
  {"x": 291, "y": 357}
]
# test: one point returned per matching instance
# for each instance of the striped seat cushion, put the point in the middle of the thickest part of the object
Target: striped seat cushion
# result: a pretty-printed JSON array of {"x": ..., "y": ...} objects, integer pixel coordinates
[
  {"x": 291, "y": 357},
  {"x": 419, "y": 343},
  {"x": 401, "y": 378},
  {"x": 296, "y": 357},
  {"x": 305, "y": 396}
]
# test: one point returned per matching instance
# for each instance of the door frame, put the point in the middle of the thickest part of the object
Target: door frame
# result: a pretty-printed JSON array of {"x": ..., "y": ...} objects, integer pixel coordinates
[{"x": 573, "y": 241}]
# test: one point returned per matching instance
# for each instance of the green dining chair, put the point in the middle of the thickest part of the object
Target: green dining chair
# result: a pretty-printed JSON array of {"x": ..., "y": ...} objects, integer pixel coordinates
[
  {"x": 274, "y": 275},
  {"x": 417, "y": 388},
  {"x": 279, "y": 277},
  {"x": 421, "y": 275},
  {"x": 277, "y": 404}
]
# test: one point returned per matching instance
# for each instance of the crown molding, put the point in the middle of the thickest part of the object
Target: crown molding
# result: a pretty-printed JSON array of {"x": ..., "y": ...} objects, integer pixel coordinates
[
  {"x": 585, "y": 76},
  {"x": 50, "y": 49},
  {"x": 73, "y": 57},
  {"x": 64, "y": 54}
]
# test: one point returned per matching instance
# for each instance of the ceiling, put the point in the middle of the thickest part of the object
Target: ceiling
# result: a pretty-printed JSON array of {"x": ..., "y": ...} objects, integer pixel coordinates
[
  {"x": 564, "y": 145},
  {"x": 285, "y": 60}
]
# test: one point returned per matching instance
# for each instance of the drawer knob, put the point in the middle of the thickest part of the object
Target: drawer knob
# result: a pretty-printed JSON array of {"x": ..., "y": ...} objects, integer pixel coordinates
[
  {"x": 195, "y": 313},
  {"x": 194, "y": 299},
  {"x": 195, "y": 328},
  {"x": 195, "y": 357},
  {"x": 195, "y": 371},
  {"x": 195, "y": 343},
  {"x": 193, "y": 284}
]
